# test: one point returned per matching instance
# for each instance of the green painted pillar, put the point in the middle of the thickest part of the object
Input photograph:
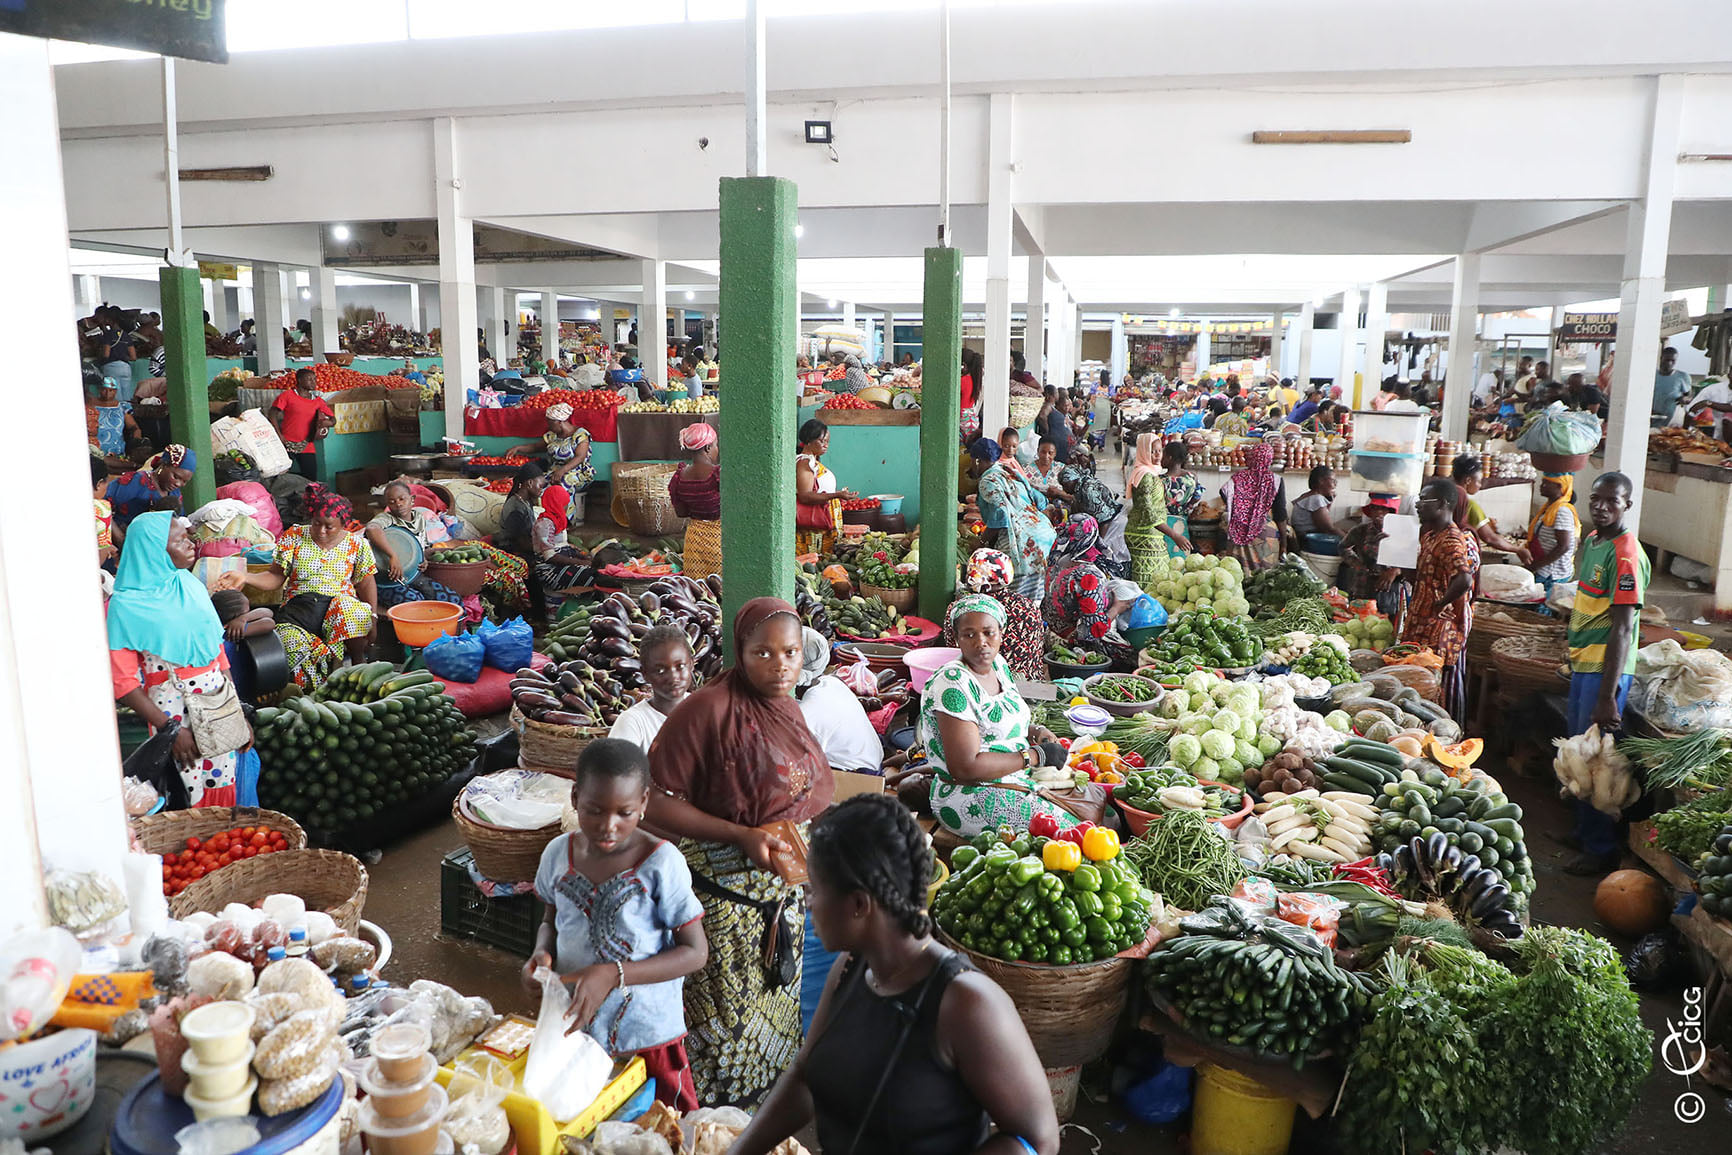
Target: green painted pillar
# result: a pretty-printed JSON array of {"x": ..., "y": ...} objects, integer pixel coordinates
[
  {"x": 188, "y": 380},
  {"x": 940, "y": 423},
  {"x": 758, "y": 298}
]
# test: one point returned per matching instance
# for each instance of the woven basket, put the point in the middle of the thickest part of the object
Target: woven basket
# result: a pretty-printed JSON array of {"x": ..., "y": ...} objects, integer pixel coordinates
[
  {"x": 1514, "y": 622},
  {"x": 168, "y": 831},
  {"x": 902, "y": 600},
  {"x": 1023, "y": 411},
  {"x": 501, "y": 853},
  {"x": 1070, "y": 1011},
  {"x": 642, "y": 490},
  {"x": 1530, "y": 665},
  {"x": 552, "y": 747},
  {"x": 327, "y": 880}
]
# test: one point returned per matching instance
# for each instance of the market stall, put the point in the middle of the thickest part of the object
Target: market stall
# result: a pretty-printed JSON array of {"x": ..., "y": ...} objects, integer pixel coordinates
[{"x": 874, "y": 451}]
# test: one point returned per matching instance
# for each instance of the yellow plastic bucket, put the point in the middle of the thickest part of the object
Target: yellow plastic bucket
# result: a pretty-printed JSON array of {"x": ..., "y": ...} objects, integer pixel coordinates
[{"x": 1234, "y": 1115}]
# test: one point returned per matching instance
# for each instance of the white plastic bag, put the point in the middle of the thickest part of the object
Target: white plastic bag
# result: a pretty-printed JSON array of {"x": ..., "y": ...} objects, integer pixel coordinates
[
  {"x": 1682, "y": 690},
  {"x": 252, "y": 434},
  {"x": 565, "y": 1072},
  {"x": 518, "y": 799}
]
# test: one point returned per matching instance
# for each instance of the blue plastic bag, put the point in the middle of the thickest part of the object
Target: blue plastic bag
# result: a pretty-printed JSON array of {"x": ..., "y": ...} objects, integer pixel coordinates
[
  {"x": 1161, "y": 1097},
  {"x": 247, "y": 778},
  {"x": 510, "y": 645},
  {"x": 456, "y": 659}
]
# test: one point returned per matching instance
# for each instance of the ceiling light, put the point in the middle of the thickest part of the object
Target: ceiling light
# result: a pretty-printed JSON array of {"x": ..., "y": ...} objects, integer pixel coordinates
[
  {"x": 306, "y": 294},
  {"x": 832, "y": 303},
  {"x": 691, "y": 296},
  {"x": 799, "y": 231},
  {"x": 340, "y": 232},
  {"x": 1172, "y": 312}
]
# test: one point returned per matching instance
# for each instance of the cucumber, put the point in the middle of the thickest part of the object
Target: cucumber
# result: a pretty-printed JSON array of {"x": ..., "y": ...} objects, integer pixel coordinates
[
  {"x": 1360, "y": 770},
  {"x": 1368, "y": 751},
  {"x": 1508, "y": 811},
  {"x": 1349, "y": 782}
]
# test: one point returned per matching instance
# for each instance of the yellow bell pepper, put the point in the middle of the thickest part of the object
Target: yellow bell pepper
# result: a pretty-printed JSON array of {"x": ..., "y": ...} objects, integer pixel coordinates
[
  {"x": 1079, "y": 701},
  {"x": 1057, "y": 855},
  {"x": 1089, "y": 747},
  {"x": 1101, "y": 844}
]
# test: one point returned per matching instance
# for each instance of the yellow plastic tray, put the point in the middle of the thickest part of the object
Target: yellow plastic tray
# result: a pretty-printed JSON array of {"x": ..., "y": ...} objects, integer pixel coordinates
[{"x": 534, "y": 1129}]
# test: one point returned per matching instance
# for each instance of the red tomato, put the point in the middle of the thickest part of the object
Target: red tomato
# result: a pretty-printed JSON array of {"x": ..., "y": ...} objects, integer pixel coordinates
[{"x": 192, "y": 844}]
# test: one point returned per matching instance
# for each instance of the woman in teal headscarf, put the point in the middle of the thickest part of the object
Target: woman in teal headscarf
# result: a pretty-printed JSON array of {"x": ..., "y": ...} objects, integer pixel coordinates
[
  {"x": 1010, "y": 503},
  {"x": 165, "y": 641}
]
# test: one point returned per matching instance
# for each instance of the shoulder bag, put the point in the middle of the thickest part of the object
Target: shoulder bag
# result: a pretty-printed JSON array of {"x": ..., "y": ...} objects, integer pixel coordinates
[{"x": 217, "y": 720}]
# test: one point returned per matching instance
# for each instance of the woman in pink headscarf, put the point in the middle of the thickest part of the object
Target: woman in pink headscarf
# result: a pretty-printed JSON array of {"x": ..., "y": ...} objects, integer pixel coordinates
[
  {"x": 696, "y": 490},
  {"x": 1256, "y": 510}
]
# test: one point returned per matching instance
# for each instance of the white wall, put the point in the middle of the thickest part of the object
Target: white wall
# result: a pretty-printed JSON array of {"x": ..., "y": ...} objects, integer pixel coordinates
[
  {"x": 132, "y": 294},
  {"x": 393, "y": 301}
]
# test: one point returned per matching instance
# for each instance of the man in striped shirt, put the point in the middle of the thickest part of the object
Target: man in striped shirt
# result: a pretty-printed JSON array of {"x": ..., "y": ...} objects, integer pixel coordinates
[{"x": 1611, "y": 581}]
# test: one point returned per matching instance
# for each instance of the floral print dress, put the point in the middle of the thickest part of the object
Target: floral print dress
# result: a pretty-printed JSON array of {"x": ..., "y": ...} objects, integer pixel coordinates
[
  {"x": 1077, "y": 605},
  {"x": 1028, "y": 533},
  {"x": 1003, "y": 721},
  {"x": 209, "y": 781},
  {"x": 310, "y": 568}
]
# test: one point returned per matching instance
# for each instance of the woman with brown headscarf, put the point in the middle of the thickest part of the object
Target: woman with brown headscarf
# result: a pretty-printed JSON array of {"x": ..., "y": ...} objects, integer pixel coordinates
[{"x": 732, "y": 758}]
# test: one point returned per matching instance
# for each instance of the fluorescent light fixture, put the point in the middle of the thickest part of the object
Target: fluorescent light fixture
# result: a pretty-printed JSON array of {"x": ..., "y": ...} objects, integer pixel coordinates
[
  {"x": 1172, "y": 312},
  {"x": 832, "y": 303},
  {"x": 691, "y": 296},
  {"x": 340, "y": 232},
  {"x": 799, "y": 231}
]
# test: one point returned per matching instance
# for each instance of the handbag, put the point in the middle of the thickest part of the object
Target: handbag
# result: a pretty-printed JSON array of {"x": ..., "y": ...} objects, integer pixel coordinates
[
  {"x": 217, "y": 719},
  {"x": 1086, "y": 803},
  {"x": 813, "y": 518},
  {"x": 781, "y": 936}
]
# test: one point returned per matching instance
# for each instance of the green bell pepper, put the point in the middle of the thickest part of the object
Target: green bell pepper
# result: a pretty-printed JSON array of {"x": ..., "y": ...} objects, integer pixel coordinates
[
  {"x": 962, "y": 858},
  {"x": 1086, "y": 877},
  {"x": 1111, "y": 907},
  {"x": 1099, "y": 930},
  {"x": 1087, "y": 903},
  {"x": 1065, "y": 915}
]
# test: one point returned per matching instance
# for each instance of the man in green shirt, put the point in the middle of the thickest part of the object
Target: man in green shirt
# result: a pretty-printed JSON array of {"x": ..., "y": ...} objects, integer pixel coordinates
[
  {"x": 1611, "y": 581},
  {"x": 1670, "y": 387}
]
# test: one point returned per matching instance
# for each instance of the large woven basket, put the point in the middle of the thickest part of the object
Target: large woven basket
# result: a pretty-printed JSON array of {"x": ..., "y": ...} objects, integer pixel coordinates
[
  {"x": 1070, "y": 1011},
  {"x": 642, "y": 490},
  {"x": 1493, "y": 621},
  {"x": 1530, "y": 665},
  {"x": 168, "y": 831},
  {"x": 550, "y": 747},
  {"x": 326, "y": 880},
  {"x": 501, "y": 853},
  {"x": 1023, "y": 411},
  {"x": 903, "y": 600}
]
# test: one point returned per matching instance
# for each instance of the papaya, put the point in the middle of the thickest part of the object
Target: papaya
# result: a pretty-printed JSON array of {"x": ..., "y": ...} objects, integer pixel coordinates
[{"x": 1455, "y": 757}]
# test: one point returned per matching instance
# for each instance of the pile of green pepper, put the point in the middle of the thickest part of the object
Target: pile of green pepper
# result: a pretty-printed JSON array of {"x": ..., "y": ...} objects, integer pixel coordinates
[{"x": 1001, "y": 901}]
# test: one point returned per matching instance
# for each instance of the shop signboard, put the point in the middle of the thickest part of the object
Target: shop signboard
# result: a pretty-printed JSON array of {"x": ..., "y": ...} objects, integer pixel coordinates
[
  {"x": 214, "y": 270},
  {"x": 188, "y": 28},
  {"x": 1588, "y": 328},
  {"x": 1675, "y": 318}
]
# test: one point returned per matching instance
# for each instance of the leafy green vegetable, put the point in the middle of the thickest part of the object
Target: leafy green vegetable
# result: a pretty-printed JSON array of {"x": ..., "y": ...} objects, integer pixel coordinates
[
  {"x": 1310, "y": 614},
  {"x": 1701, "y": 758},
  {"x": 1688, "y": 829}
]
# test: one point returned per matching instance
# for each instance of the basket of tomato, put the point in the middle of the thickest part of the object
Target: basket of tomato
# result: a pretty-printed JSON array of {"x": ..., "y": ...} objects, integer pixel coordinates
[{"x": 196, "y": 856}]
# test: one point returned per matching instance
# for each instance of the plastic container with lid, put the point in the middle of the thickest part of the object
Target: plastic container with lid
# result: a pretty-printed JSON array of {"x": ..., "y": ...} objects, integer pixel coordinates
[
  {"x": 216, "y": 1080},
  {"x": 276, "y": 954},
  {"x": 399, "y": 1049},
  {"x": 416, "y": 1134},
  {"x": 297, "y": 945},
  {"x": 148, "y": 1119},
  {"x": 218, "y": 1033},
  {"x": 1373, "y": 473},
  {"x": 226, "y": 1136},
  {"x": 398, "y": 1098},
  {"x": 1375, "y": 432},
  {"x": 234, "y": 1105}
]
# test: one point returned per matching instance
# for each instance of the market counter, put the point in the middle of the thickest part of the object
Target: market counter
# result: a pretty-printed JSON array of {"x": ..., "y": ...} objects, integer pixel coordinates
[{"x": 1688, "y": 512}]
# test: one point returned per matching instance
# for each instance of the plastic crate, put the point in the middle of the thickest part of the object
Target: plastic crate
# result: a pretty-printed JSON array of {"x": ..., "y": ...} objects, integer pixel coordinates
[{"x": 507, "y": 923}]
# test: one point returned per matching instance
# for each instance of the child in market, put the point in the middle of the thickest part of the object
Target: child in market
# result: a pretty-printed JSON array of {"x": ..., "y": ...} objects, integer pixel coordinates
[
  {"x": 667, "y": 667},
  {"x": 622, "y": 926}
]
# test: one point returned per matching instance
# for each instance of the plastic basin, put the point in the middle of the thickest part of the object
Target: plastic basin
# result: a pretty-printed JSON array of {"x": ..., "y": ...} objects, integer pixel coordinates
[
  {"x": 51, "y": 1082},
  {"x": 419, "y": 623},
  {"x": 888, "y": 502},
  {"x": 922, "y": 664}
]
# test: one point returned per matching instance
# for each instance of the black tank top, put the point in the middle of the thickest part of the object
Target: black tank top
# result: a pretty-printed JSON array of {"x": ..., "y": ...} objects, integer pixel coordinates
[{"x": 924, "y": 1108}]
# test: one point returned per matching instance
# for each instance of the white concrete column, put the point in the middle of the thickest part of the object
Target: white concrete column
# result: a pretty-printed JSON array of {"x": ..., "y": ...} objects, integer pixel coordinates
[
  {"x": 1552, "y": 338},
  {"x": 57, "y": 740},
  {"x": 417, "y": 318},
  {"x": 1376, "y": 329},
  {"x": 244, "y": 307},
  {"x": 1647, "y": 235},
  {"x": 849, "y": 317},
  {"x": 652, "y": 323},
  {"x": 889, "y": 340},
  {"x": 1121, "y": 354},
  {"x": 270, "y": 318},
  {"x": 323, "y": 282},
  {"x": 1200, "y": 351},
  {"x": 457, "y": 313},
  {"x": 88, "y": 287},
  {"x": 499, "y": 319},
  {"x": 1276, "y": 323},
  {"x": 1076, "y": 335},
  {"x": 1307, "y": 339},
  {"x": 1349, "y": 363},
  {"x": 549, "y": 325},
  {"x": 1463, "y": 339},
  {"x": 1034, "y": 317},
  {"x": 219, "y": 307},
  {"x": 1001, "y": 154},
  {"x": 710, "y": 334},
  {"x": 1058, "y": 340}
]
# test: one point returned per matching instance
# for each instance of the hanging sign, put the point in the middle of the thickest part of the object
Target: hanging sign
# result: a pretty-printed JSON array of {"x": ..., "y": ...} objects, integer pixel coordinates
[
  {"x": 213, "y": 270},
  {"x": 1588, "y": 328},
  {"x": 192, "y": 29},
  {"x": 1675, "y": 318}
]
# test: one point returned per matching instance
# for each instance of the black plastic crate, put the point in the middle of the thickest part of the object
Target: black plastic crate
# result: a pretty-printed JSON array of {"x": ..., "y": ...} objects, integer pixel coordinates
[{"x": 507, "y": 923}]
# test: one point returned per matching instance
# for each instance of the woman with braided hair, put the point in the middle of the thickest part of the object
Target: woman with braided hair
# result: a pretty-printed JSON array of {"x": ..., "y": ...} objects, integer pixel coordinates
[
  {"x": 326, "y": 571},
  {"x": 911, "y": 1050}
]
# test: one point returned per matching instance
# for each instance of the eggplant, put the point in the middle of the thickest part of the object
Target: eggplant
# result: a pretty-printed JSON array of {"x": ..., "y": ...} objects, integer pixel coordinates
[
  {"x": 533, "y": 685},
  {"x": 648, "y": 602},
  {"x": 1468, "y": 878},
  {"x": 1493, "y": 897},
  {"x": 714, "y": 581},
  {"x": 563, "y": 718},
  {"x": 570, "y": 682},
  {"x": 1401, "y": 866},
  {"x": 614, "y": 648},
  {"x": 628, "y": 665},
  {"x": 1434, "y": 848},
  {"x": 608, "y": 628},
  {"x": 529, "y": 699},
  {"x": 527, "y": 672},
  {"x": 639, "y": 629}
]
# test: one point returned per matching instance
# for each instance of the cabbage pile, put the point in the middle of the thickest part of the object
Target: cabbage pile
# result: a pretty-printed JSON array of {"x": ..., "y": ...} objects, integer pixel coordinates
[
  {"x": 1202, "y": 582},
  {"x": 1216, "y": 734}
]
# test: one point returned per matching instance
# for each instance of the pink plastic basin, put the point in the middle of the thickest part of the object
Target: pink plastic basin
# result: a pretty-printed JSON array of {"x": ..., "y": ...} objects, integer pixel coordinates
[{"x": 922, "y": 664}]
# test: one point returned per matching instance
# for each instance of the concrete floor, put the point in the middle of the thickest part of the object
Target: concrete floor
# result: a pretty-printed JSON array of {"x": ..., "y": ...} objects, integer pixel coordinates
[{"x": 403, "y": 898}]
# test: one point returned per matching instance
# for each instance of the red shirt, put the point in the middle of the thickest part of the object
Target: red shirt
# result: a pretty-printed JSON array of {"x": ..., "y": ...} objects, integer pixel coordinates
[
  {"x": 299, "y": 413},
  {"x": 967, "y": 392}
]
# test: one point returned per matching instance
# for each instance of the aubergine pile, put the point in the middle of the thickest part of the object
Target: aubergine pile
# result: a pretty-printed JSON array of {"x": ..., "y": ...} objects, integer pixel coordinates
[
  {"x": 1436, "y": 867},
  {"x": 597, "y": 673}
]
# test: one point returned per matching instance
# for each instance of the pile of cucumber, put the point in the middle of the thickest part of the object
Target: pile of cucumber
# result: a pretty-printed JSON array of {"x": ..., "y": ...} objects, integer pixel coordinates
[
  {"x": 370, "y": 740},
  {"x": 1418, "y": 800}
]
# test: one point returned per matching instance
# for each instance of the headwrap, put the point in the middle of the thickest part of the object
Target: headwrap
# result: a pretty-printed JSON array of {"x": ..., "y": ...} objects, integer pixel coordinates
[
  {"x": 1549, "y": 515},
  {"x": 556, "y": 507},
  {"x": 975, "y": 604},
  {"x": 814, "y": 657},
  {"x": 1076, "y": 540},
  {"x": 738, "y": 755},
  {"x": 322, "y": 502},
  {"x": 989, "y": 569},
  {"x": 1253, "y": 495},
  {"x": 173, "y": 457},
  {"x": 984, "y": 449},
  {"x": 157, "y": 607},
  {"x": 701, "y": 435},
  {"x": 559, "y": 412},
  {"x": 1148, "y": 462}
]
